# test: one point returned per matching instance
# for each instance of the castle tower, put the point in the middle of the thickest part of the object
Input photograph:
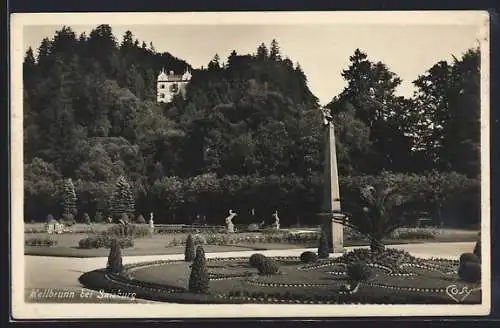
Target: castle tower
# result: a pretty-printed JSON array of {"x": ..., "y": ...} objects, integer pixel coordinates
[{"x": 169, "y": 85}]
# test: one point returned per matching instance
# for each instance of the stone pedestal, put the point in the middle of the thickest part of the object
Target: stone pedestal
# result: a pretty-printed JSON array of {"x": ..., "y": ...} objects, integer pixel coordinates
[{"x": 334, "y": 231}]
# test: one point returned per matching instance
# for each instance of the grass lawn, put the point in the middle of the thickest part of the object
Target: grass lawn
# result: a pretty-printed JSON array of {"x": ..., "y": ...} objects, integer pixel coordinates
[{"x": 67, "y": 244}]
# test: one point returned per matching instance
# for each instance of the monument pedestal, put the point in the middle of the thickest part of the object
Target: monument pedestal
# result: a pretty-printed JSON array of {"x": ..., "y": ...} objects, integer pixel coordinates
[{"x": 334, "y": 231}]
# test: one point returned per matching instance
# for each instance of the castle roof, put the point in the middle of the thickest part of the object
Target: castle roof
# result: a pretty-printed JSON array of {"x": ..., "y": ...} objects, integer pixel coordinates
[{"x": 171, "y": 77}]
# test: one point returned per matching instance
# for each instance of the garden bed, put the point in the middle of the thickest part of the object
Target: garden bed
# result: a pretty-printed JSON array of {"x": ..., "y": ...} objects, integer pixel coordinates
[{"x": 398, "y": 278}]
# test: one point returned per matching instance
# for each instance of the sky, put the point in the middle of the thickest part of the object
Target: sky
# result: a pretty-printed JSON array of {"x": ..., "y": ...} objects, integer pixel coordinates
[{"x": 322, "y": 50}]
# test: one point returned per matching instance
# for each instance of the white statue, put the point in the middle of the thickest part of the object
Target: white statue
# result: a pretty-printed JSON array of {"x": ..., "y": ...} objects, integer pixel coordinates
[
  {"x": 276, "y": 220},
  {"x": 229, "y": 221},
  {"x": 151, "y": 223},
  {"x": 59, "y": 228}
]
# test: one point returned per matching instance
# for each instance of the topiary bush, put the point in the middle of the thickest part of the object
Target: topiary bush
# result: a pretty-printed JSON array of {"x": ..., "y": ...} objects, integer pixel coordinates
[
  {"x": 114, "y": 258},
  {"x": 470, "y": 272},
  {"x": 189, "y": 252},
  {"x": 198, "y": 279},
  {"x": 308, "y": 257},
  {"x": 323, "y": 249},
  {"x": 255, "y": 260},
  {"x": 477, "y": 249},
  {"x": 98, "y": 217},
  {"x": 47, "y": 242},
  {"x": 268, "y": 266},
  {"x": 359, "y": 271},
  {"x": 469, "y": 257}
]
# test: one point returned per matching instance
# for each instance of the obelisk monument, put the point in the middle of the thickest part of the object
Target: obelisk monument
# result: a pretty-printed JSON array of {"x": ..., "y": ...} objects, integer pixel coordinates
[{"x": 330, "y": 210}]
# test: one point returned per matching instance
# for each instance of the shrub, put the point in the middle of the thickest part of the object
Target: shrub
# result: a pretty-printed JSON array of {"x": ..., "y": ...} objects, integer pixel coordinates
[
  {"x": 199, "y": 239},
  {"x": 469, "y": 257},
  {"x": 414, "y": 233},
  {"x": 98, "y": 217},
  {"x": 68, "y": 220},
  {"x": 115, "y": 258},
  {"x": 268, "y": 266},
  {"x": 86, "y": 218},
  {"x": 256, "y": 259},
  {"x": 308, "y": 257},
  {"x": 104, "y": 241},
  {"x": 189, "y": 252},
  {"x": 323, "y": 248},
  {"x": 130, "y": 230},
  {"x": 470, "y": 272},
  {"x": 47, "y": 242},
  {"x": 253, "y": 227},
  {"x": 358, "y": 271},
  {"x": 477, "y": 249},
  {"x": 198, "y": 279},
  {"x": 140, "y": 219}
]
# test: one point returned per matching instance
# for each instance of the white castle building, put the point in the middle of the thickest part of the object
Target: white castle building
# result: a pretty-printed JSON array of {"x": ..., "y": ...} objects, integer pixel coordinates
[{"x": 171, "y": 84}]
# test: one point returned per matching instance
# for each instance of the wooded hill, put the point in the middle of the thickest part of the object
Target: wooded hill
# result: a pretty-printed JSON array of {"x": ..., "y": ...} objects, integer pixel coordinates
[{"x": 248, "y": 130}]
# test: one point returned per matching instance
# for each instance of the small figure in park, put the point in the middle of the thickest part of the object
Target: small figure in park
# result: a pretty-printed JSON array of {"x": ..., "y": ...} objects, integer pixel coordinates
[
  {"x": 229, "y": 222},
  {"x": 276, "y": 220}
]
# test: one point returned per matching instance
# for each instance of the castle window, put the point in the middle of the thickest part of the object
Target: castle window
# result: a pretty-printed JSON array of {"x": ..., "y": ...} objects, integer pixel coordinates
[
  {"x": 162, "y": 86},
  {"x": 162, "y": 95}
]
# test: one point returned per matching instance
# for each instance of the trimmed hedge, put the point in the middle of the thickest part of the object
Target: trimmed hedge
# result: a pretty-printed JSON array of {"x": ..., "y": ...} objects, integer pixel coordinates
[
  {"x": 44, "y": 242},
  {"x": 104, "y": 241}
]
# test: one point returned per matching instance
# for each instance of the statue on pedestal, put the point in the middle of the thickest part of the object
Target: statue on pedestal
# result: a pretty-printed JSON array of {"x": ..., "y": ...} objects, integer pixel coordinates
[
  {"x": 50, "y": 228},
  {"x": 276, "y": 220},
  {"x": 229, "y": 221}
]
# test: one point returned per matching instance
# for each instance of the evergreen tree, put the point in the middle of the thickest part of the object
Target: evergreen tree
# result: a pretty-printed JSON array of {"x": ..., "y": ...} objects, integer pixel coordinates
[
  {"x": 122, "y": 201},
  {"x": 323, "y": 248},
  {"x": 262, "y": 52},
  {"x": 198, "y": 279},
  {"x": 274, "y": 53},
  {"x": 115, "y": 257},
  {"x": 69, "y": 199},
  {"x": 189, "y": 253}
]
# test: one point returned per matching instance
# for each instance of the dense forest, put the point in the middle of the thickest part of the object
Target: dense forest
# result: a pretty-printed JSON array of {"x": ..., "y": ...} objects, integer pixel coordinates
[{"x": 247, "y": 134}]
